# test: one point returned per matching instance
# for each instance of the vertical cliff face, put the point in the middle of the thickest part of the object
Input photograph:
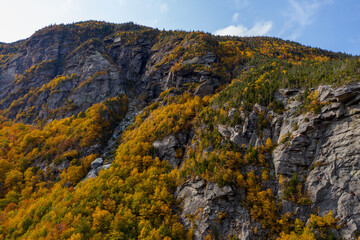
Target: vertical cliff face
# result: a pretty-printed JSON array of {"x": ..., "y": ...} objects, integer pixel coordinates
[
  {"x": 209, "y": 207},
  {"x": 72, "y": 66},
  {"x": 176, "y": 134},
  {"x": 323, "y": 152},
  {"x": 320, "y": 148}
]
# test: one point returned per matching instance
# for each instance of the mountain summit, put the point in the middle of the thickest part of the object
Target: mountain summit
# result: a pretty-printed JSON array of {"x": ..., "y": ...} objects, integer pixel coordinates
[{"x": 121, "y": 131}]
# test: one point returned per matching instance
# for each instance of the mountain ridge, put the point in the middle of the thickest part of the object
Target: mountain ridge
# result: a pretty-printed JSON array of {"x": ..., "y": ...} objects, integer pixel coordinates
[{"x": 208, "y": 137}]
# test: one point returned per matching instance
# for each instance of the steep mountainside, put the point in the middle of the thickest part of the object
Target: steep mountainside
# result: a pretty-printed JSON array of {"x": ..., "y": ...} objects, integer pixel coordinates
[{"x": 120, "y": 131}]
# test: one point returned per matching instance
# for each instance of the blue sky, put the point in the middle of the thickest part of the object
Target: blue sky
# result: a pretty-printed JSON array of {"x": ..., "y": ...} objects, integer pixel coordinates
[{"x": 328, "y": 24}]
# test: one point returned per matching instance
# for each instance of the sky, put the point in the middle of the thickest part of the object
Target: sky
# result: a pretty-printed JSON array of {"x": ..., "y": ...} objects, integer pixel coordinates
[{"x": 328, "y": 24}]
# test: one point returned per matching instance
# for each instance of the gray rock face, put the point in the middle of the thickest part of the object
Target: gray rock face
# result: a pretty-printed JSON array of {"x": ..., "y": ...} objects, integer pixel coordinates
[
  {"x": 247, "y": 133},
  {"x": 300, "y": 147},
  {"x": 97, "y": 163},
  {"x": 321, "y": 148},
  {"x": 324, "y": 151},
  {"x": 102, "y": 67},
  {"x": 96, "y": 79},
  {"x": 166, "y": 150},
  {"x": 334, "y": 182},
  {"x": 209, "y": 58},
  {"x": 207, "y": 88},
  {"x": 345, "y": 93},
  {"x": 325, "y": 92},
  {"x": 209, "y": 208},
  {"x": 63, "y": 165},
  {"x": 43, "y": 46}
]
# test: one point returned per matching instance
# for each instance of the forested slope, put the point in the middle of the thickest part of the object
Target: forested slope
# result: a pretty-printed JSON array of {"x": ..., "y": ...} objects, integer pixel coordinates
[{"x": 120, "y": 131}]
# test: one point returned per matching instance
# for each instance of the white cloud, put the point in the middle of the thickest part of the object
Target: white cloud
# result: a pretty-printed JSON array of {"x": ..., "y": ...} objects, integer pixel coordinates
[
  {"x": 259, "y": 29},
  {"x": 235, "y": 17},
  {"x": 67, "y": 4},
  {"x": 164, "y": 7},
  {"x": 301, "y": 13}
]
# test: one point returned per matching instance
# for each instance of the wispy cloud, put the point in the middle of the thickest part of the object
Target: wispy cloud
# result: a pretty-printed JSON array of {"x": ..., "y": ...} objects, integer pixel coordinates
[
  {"x": 164, "y": 7},
  {"x": 235, "y": 17},
  {"x": 259, "y": 29},
  {"x": 66, "y": 4},
  {"x": 301, "y": 13}
]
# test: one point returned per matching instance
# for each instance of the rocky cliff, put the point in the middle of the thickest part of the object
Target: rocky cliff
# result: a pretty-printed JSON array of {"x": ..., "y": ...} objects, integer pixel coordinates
[
  {"x": 63, "y": 70},
  {"x": 320, "y": 148},
  {"x": 120, "y": 131}
]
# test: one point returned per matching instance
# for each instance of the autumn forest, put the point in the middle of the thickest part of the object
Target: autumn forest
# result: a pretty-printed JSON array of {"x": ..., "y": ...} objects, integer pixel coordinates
[{"x": 184, "y": 99}]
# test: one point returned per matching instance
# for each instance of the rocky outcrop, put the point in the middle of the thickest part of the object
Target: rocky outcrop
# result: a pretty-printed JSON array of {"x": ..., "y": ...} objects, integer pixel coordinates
[
  {"x": 96, "y": 166},
  {"x": 166, "y": 149},
  {"x": 97, "y": 163},
  {"x": 323, "y": 150},
  {"x": 94, "y": 78},
  {"x": 206, "y": 59},
  {"x": 247, "y": 134},
  {"x": 207, "y": 87},
  {"x": 60, "y": 71},
  {"x": 334, "y": 181},
  {"x": 213, "y": 210},
  {"x": 68, "y": 75}
]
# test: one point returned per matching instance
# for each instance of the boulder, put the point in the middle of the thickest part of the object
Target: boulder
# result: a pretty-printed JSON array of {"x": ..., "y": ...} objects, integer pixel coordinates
[
  {"x": 210, "y": 58},
  {"x": 325, "y": 93},
  {"x": 92, "y": 174},
  {"x": 97, "y": 163},
  {"x": 96, "y": 166},
  {"x": 224, "y": 131},
  {"x": 117, "y": 39},
  {"x": 106, "y": 166},
  {"x": 345, "y": 93}
]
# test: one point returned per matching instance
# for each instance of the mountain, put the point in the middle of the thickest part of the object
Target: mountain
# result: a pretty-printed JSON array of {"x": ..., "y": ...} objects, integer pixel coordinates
[{"x": 121, "y": 131}]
